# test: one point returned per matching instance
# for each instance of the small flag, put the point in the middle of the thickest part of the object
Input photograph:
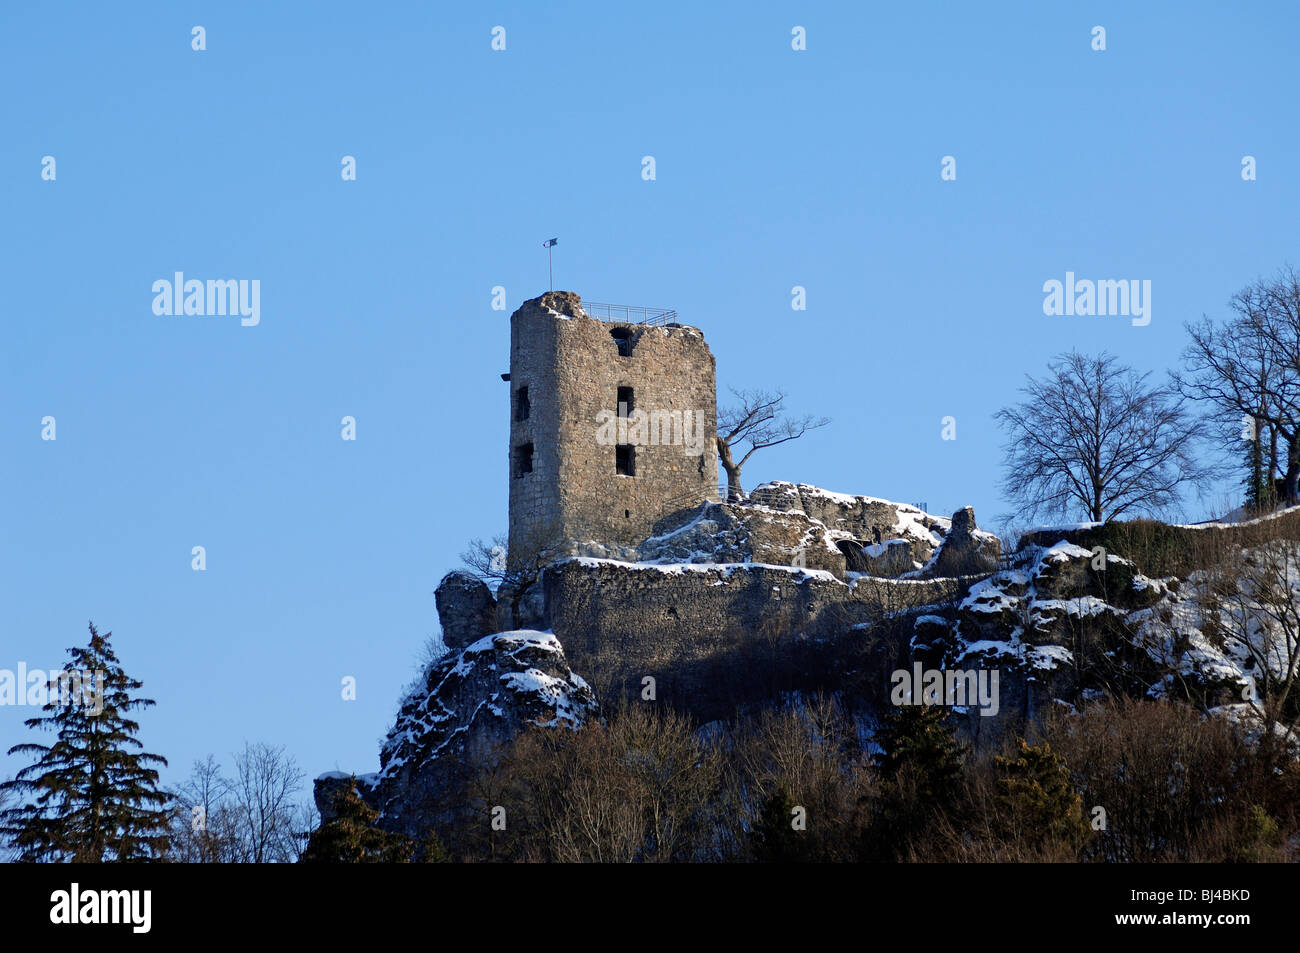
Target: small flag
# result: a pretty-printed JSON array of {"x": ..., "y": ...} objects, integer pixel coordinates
[{"x": 553, "y": 241}]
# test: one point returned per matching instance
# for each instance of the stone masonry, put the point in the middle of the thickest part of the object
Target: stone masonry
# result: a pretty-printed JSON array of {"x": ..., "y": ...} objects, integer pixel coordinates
[{"x": 567, "y": 494}]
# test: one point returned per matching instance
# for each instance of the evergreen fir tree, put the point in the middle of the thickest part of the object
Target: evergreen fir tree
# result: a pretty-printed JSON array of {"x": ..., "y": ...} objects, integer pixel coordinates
[
  {"x": 1259, "y": 840},
  {"x": 352, "y": 837},
  {"x": 919, "y": 738},
  {"x": 920, "y": 777},
  {"x": 1035, "y": 798},
  {"x": 435, "y": 852},
  {"x": 92, "y": 795},
  {"x": 773, "y": 839}
]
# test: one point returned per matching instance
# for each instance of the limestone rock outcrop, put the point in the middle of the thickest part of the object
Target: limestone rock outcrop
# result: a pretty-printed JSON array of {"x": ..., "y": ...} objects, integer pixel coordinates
[
  {"x": 740, "y": 533},
  {"x": 868, "y": 531},
  {"x": 466, "y": 609},
  {"x": 965, "y": 549},
  {"x": 1068, "y": 623},
  {"x": 788, "y": 524},
  {"x": 468, "y": 704}
]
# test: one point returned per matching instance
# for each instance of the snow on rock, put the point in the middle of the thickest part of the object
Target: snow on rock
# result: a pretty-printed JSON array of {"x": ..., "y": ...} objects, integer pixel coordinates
[
  {"x": 1246, "y": 718},
  {"x": 1068, "y": 626},
  {"x": 739, "y": 533},
  {"x": 1221, "y": 632},
  {"x": 1049, "y": 656},
  {"x": 885, "y": 538},
  {"x": 787, "y": 524},
  {"x": 469, "y": 705},
  {"x": 523, "y": 674}
]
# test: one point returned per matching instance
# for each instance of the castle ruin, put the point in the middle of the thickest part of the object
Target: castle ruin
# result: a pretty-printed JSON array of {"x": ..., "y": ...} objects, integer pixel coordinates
[{"x": 612, "y": 426}]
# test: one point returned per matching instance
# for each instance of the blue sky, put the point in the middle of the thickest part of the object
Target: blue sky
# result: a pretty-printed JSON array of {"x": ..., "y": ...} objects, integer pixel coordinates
[{"x": 774, "y": 168}]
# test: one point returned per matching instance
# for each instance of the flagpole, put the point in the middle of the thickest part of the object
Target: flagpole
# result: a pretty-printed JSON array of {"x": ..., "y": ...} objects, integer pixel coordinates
[{"x": 550, "y": 271}]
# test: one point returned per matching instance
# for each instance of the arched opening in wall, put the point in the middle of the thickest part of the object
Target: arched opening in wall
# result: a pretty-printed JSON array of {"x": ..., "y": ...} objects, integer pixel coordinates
[
  {"x": 853, "y": 555},
  {"x": 623, "y": 338}
]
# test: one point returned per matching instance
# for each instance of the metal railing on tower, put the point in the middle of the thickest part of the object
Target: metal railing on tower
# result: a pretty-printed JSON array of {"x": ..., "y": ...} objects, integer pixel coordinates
[{"x": 629, "y": 313}]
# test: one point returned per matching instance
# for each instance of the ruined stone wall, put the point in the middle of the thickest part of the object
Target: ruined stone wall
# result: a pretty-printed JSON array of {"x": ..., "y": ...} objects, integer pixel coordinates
[
  {"x": 571, "y": 365},
  {"x": 714, "y": 636},
  {"x": 535, "y": 496}
]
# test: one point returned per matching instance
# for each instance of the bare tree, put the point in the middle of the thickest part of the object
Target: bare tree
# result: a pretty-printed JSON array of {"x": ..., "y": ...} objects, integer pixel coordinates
[
  {"x": 1249, "y": 367},
  {"x": 1258, "y": 605},
  {"x": 487, "y": 560},
  {"x": 758, "y": 421},
  {"x": 642, "y": 787},
  {"x": 1093, "y": 437},
  {"x": 1163, "y": 772},
  {"x": 206, "y": 823},
  {"x": 511, "y": 581},
  {"x": 809, "y": 748},
  {"x": 268, "y": 820}
]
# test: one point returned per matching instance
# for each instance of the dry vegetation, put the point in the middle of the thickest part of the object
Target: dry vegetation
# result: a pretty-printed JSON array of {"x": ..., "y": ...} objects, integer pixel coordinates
[{"x": 1125, "y": 781}]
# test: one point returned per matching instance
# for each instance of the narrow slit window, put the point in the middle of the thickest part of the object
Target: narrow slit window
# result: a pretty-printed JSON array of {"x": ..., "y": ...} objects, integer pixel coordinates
[
  {"x": 522, "y": 407},
  {"x": 625, "y": 402},
  {"x": 625, "y": 460}
]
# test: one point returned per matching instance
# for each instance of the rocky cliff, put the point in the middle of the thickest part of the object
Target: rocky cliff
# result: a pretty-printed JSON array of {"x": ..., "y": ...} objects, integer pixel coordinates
[
  {"x": 715, "y": 617},
  {"x": 468, "y": 704}
]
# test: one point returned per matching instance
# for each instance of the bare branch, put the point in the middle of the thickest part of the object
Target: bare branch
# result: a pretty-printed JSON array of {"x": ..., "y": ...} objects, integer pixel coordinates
[
  {"x": 756, "y": 422},
  {"x": 1094, "y": 438}
]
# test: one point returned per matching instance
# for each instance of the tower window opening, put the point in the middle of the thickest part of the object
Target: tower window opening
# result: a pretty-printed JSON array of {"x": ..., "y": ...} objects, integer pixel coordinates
[
  {"x": 523, "y": 459},
  {"x": 522, "y": 407},
  {"x": 625, "y": 459},
  {"x": 623, "y": 338},
  {"x": 625, "y": 401}
]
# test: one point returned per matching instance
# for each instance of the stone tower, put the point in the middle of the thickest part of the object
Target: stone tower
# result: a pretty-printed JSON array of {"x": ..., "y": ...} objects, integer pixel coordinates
[{"x": 612, "y": 429}]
